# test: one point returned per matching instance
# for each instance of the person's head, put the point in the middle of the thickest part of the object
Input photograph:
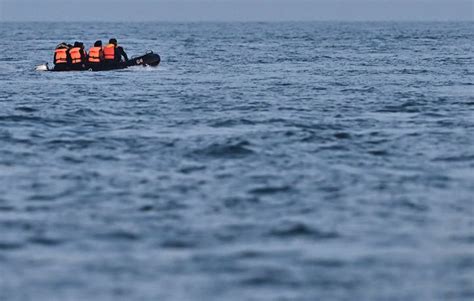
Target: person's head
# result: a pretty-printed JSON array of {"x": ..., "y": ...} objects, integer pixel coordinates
[
  {"x": 113, "y": 41},
  {"x": 98, "y": 43},
  {"x": 77, "y": 44},
  {"x": 63, "y": 45}
]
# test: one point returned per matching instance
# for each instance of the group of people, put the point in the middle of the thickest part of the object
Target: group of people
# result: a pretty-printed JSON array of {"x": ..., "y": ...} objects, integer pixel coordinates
[{"x": 75, "y": 57}]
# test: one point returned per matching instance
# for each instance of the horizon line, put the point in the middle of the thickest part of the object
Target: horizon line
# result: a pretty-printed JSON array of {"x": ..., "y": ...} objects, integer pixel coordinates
[{"x": 249, "y": 21}]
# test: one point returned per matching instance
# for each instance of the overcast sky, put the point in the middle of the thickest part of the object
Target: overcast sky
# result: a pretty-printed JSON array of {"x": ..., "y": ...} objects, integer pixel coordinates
[{"x": 234, "y": 10}]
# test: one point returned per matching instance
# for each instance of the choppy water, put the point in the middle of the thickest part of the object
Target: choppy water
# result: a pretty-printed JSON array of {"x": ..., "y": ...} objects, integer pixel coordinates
[{"x": 260, "y": 161}]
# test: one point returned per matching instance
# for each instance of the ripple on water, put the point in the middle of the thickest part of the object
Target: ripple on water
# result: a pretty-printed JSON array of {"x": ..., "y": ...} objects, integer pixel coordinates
[
  {"x": 26, "y": 109},
  {"x": 229, "y": 150},
  {"x": 269, "y": 190},
  {"x": 118, "y": 235},
  {"x": 45, "y": 241},
  {"x": 10, "y": 246},
  {"x": 231, "y": 122},
  {"x": 290, "y": 229}
]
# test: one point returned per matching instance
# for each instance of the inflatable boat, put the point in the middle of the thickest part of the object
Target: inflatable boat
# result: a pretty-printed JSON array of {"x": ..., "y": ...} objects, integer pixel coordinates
[{"x": 149, "y": 59}]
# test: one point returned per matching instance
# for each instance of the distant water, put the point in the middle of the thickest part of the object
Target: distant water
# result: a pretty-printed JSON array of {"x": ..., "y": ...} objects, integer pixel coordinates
[{"x": 260, "y": 161}]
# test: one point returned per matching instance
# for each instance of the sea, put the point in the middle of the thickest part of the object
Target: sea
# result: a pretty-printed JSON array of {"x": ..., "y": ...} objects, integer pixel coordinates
[{"x": 295, "y": 161}]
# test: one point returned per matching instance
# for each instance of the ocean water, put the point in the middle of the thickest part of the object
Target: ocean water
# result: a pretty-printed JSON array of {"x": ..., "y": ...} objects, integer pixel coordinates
[{"x": 259, "y": 161}]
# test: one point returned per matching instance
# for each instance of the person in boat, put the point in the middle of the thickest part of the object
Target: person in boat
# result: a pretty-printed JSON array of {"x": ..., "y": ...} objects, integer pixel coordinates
[
  {"x": 78, "y": 56},
  {"x": 62, "y": 59},
  {"x": 113, "y": 54},
  {"x": 95, "y": 59}
]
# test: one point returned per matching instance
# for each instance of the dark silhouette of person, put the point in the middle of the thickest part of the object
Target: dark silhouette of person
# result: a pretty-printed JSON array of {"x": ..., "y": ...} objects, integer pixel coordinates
[
  {"x": 78, "y": 56},
  {"x": 113, "y": 54},
  {"x": 95, "y": 59},
  {"x": 62, "y": 59}
]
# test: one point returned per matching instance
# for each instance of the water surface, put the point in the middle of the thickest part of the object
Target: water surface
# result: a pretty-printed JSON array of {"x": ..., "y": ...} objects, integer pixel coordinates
[{"x": 260, "y": 161}]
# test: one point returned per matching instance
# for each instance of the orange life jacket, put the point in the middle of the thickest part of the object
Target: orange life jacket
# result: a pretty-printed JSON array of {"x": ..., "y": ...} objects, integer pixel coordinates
[
  {"x": 94, "y": 54},
  {"x": 61, "y": 56},
  {"x": 109, "y": 52},
  {"x": 76, "y": 57}
]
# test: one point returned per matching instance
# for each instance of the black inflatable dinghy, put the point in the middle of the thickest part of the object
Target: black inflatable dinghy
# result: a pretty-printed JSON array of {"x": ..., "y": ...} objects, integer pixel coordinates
[{"x": 149, "y": 59}]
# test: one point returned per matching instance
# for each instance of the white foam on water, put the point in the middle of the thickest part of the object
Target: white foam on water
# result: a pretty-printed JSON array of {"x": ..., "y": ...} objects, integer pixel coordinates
[
  {"x": 144, "y": 68},
  {"x": 43, "y": 67}
]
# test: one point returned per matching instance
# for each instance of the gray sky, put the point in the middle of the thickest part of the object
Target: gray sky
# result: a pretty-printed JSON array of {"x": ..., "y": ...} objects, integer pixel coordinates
[{"x": 234, "y": 10}]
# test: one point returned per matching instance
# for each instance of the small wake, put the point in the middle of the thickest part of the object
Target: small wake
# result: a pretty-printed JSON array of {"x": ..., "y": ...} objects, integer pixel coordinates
[{"x": 145, "y": 68}]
